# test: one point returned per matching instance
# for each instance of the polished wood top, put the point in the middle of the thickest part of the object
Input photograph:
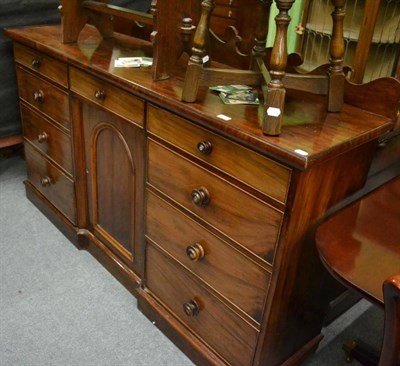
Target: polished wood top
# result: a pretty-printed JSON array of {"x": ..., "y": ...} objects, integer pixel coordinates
[
  {"x": 309, "y": 134},
  {"x": 360, "y": 244}
]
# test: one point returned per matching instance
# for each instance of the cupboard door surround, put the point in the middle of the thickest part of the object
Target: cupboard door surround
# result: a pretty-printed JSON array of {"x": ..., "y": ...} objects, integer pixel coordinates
[{"x": 114, "y": 166}]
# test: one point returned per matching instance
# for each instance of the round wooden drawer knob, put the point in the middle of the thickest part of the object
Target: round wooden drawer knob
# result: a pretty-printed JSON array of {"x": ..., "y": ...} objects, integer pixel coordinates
[
  {"x": 38, "y": 96},
  {"x": 200, "y": 196},
  {"x": 36, "y": 63},
  {"x": 204, "y": 147},
  {"x": 45, "y": 181},
  {"x": 42, "y": 137},
  {"x": 195, "y": 252},
  {"x": 191, "y": 308},
  {"x": 100, "y": 94}
]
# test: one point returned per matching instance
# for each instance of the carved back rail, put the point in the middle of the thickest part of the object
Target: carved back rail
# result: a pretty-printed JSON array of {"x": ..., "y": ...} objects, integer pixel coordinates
[
  {"x": 173, "y": 32},
  {"x": 273, "y": 75},
  {"x": 273, "y": 79}
]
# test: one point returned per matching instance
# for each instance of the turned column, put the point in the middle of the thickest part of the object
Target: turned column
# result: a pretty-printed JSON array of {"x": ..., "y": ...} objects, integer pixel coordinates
[
  {"x": 261, "y": 32},
  {"x": 335, "y": 74},
  {"x": 275, "y": 95},
  {"x": 199, "y": 53}
]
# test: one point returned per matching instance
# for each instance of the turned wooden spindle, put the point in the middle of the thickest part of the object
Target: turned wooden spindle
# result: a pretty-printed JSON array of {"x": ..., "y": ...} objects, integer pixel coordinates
[
  {"x": 275, "y": 95},
  {"x": 335, "y": 74},
  {"x": 199, "y": 53},
  {"x": 187, "y": 29},
  {"x": 261, "y": 32}
]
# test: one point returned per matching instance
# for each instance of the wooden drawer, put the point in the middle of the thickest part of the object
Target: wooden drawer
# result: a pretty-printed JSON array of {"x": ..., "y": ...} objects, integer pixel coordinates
[
  {"x": 108, "y": 96},
  {"x": 50, "y": 181},
  {"x": 47, "y": 138},
  {"x": 44, "y": 96},
  {"x": 247, "y": 166},
  {"x": 229, "y": 272},
  {"x": 218, "y": 326},
  {"x": 245, "y": 219},
  {"x": 43, "y": 64}
]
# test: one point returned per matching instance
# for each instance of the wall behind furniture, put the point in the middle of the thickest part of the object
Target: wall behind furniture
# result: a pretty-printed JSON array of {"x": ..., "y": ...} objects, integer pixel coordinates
[{"x": 14, "y": 13}]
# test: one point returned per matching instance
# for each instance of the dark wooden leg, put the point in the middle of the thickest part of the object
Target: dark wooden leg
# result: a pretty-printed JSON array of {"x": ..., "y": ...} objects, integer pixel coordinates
[
  {"x": 361, "y": 352},
  {"x": 275, "y": 95},
  {"x": 335, "y": 74},
  {"x": 199, "y": 53},
  {"x": 261, "y": 33},
  {"x": 390, "y": 351},
  {"x": 391, "y": 339}
]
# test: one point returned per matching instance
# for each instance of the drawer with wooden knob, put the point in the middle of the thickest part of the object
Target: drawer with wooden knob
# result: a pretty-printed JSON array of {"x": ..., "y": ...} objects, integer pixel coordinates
[
  {"x": 108, "y": 96},
  {"x": 253, "y": 169},
  {"x": 208, "y": 318},
  {"x": 44, "y": 96},
  {"x": 243, "y": 218},
  {"x": 227, "y": 271},
  {"x": 47, "y": 178},
  {"x": 41, "y": 63},
  {"x": 48, "y": 138}
]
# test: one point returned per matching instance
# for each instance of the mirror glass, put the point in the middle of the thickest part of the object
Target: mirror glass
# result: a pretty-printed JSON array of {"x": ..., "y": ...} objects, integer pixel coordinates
[{"x": 137, "y": 5}]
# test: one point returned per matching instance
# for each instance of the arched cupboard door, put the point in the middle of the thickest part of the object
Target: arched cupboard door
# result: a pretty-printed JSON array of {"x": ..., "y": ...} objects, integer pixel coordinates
[{"x": 114, "y": 168}]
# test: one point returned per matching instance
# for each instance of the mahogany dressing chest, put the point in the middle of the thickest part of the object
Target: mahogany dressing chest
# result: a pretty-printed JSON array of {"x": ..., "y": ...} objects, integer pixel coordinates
[{"x": 205, "y": 219}]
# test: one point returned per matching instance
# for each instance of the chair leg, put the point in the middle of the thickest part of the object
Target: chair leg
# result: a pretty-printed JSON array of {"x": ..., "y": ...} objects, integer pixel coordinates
[
  {"x": 390, "y": 351},
  {"x": 361, "y": 352},
  {"x": 391, "y": 339}
]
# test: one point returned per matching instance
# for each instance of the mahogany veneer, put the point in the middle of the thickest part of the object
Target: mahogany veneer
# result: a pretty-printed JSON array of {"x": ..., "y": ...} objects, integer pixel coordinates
[{"x": 207, "y": 220}]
